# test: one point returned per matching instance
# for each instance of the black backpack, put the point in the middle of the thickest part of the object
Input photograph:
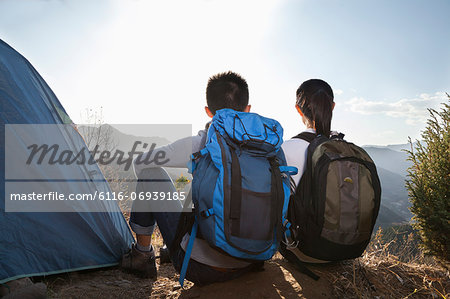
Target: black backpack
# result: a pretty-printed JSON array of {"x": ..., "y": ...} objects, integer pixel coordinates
[{"x": 334, "y": 208}]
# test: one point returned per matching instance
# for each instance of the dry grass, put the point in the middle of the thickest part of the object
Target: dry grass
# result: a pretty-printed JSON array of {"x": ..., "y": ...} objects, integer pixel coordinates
[{"x": 380, "y": 274}]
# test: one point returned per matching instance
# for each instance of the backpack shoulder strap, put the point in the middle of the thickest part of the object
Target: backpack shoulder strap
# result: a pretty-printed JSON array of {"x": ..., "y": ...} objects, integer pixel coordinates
[
  {"x": 307, "y": 136},
  {"x": 291, "y": 257}
]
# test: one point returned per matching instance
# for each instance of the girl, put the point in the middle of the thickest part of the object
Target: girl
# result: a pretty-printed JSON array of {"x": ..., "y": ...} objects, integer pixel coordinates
[{"x": 315, "y": 105}]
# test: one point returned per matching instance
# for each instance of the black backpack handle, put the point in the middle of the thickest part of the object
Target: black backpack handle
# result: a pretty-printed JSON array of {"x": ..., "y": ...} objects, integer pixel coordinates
[{"x": 307, "y": 136}]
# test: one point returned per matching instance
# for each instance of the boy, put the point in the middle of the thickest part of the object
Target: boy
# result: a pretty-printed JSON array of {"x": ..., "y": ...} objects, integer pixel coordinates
[{"x": 207, "y": 265}]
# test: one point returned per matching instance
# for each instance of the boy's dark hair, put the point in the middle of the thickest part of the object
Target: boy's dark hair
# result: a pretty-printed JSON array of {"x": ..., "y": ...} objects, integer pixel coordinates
[
  {"x": 227, "y": 90},
  {"x": 315, "y": 99}
]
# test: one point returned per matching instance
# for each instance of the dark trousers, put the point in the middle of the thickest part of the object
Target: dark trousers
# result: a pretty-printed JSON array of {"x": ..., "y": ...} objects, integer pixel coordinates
[{"x": 143, "y": 219}]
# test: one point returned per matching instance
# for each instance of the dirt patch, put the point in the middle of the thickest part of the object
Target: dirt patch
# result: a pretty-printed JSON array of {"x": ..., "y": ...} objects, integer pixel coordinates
[{"x": 279, "y": 279}]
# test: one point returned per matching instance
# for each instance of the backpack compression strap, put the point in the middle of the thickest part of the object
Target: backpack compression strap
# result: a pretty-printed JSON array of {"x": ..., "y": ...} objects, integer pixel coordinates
[
  {"x": 236, "y": 193},
  {"x": 277, "y": 196},
  {"x": 307, "y": 136}
]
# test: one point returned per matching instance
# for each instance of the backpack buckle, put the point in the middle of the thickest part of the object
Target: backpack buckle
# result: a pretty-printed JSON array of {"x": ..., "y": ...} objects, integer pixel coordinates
[
  {"x": 288, "y": 241},
  {"x": 196, "y": 155},
  {"x": 207, "y": 213}
]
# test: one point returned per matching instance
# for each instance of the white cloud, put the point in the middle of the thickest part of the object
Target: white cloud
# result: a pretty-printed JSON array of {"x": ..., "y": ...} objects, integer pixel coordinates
[
  {"x": 413, "y": 110},
  {"x": 338, "y": 92}
]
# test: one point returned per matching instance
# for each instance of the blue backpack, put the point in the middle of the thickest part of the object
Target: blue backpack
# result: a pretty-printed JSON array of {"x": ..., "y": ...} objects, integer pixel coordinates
[{"x": 240, "y": 187}]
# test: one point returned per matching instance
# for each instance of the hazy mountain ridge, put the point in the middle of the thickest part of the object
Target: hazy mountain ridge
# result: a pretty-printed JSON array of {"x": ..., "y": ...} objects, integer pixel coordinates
[
  {"x": 394, "y": 199},
  {"x": 391, "y": 160},
  {"x": 120, "y": 141},
  {"x": 392, "y": 165},
  {"x": 394, "y": 147}
]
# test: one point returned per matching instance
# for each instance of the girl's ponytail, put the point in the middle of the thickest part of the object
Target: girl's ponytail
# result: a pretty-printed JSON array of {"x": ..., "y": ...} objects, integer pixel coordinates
[{"x": 321, "y": 108}]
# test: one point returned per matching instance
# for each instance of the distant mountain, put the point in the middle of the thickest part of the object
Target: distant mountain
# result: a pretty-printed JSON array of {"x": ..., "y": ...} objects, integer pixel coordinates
[
  {"x": 387, "y": 218},
  {"x": 394, "y": 147},
  {"x": 392, "y": 165},
  {"x": 394, "y": 194},
  {"x": 112, "y": 138},
  {"x": 392, "y": 160},
  {"x": 401, "y": 147}
]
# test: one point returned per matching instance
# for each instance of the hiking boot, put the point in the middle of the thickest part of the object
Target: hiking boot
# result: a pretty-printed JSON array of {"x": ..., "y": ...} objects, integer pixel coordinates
[{"x": 140, "y": 263}]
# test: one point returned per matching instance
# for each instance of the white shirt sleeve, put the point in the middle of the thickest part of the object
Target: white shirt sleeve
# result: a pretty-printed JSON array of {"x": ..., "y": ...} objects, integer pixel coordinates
[{"x": 176, "y": 154}]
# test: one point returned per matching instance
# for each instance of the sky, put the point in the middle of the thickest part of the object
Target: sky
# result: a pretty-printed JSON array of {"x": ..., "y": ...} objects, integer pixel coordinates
[{"x": 148, "y": 62}]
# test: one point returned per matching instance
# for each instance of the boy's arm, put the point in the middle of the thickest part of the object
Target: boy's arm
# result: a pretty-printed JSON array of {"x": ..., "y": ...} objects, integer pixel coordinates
[{"x": 176, "y": 154}]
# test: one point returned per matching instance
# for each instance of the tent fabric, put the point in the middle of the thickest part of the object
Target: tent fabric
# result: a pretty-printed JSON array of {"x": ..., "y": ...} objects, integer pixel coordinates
[{"x": 35, "y": 244}]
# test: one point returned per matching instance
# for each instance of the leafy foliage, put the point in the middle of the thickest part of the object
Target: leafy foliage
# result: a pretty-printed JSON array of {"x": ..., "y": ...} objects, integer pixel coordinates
[
  {"x": 181, "y": 182},
  {"x": 429, "y": 184}
]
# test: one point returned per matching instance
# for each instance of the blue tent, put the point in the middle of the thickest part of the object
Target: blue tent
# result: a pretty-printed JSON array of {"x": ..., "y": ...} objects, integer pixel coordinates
[{"x": 43, "y": 243}]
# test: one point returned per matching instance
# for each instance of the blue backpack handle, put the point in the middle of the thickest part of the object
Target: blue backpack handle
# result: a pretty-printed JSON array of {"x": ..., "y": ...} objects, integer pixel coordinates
[{"x": 290, "y": 170}]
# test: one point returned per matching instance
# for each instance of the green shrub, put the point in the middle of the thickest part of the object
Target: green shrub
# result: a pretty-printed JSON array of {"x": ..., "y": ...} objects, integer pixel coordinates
[{"x": 429, "y": 185}]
